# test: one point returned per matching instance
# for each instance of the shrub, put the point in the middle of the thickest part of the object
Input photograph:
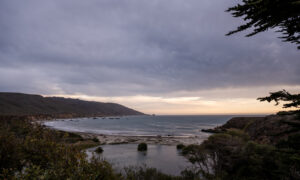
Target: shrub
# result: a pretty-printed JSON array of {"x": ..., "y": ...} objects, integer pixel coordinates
[
  {"x": 30, "y": 151},
  {"x": 95, "y": 139},
  {"x": 99, "y": 150},
  {"x": 142, "y": 147},
  {"x": 293, "y": 142},
  {"x": 180, "y": 146},
  {"x": 140, "y": 173}
]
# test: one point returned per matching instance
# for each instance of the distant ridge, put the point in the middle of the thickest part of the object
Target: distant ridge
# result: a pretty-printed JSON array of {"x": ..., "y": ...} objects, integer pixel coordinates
[{"x": 29, "y": 104}]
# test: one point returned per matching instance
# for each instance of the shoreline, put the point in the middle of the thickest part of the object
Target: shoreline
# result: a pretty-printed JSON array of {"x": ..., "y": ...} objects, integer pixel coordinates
[
  {"x": 130, "y": 139},
  {"x": 123, "y": 139},
  {"x": 134, "y": 139}
]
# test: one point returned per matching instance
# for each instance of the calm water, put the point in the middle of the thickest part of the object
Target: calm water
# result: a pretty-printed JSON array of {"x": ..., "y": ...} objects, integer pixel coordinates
[
  {"x": 141, "y": 125},
  {"x": 165, "y": 158}
]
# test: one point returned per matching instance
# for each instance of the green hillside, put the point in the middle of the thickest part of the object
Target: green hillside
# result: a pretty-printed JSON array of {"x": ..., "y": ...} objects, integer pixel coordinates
[{"x": 27, "y": 104}]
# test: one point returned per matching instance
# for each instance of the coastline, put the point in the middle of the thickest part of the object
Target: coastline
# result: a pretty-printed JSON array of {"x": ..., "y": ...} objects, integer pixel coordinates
[
  {"x": 163, "y": 140},
  {"x": 254, "y": 126},
  {"x": 126, "y": 139},
  {"x": 131, "y": 139}
]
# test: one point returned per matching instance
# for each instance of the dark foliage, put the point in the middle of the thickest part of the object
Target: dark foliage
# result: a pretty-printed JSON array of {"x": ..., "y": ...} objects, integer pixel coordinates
[
  {"x": 142, "y": 147},
  {"x": 293, "y": 142},
  {"x": 180, "y": 146},
  {"x": 95, "y": 139},
  {"x": 29, "y": 151},
  {"x": 99, "y": 150},
  {"x": 261, "y": 15},
  {"x": 232, "y": 155},
  {"x": 292, "y": 99},
  {"x": 143, "y": 173}
]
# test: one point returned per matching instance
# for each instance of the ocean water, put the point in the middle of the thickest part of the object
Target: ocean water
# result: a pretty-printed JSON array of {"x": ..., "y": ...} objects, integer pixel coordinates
[{"x": 142, "y": 125}]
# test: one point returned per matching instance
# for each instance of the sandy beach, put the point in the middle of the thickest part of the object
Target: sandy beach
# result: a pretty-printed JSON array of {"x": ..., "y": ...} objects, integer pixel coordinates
[{"x": 165, "y": 140}]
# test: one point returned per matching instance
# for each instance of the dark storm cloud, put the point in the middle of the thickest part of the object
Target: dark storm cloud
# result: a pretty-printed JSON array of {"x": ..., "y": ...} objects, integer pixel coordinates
[{"x": 112, "y": 48}]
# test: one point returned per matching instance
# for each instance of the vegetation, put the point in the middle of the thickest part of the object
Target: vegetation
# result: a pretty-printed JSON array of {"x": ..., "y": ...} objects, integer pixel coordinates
[
  {"x": 29, "y": 151},
  {"x": 144, "y": 173},
  {"x": 261, "y": 15},
  {"x": 142, "y": 147},
  {"x": 57, "y": 107},
  {"x": 292, "y": 100},
  {"x": 95, "y": 139},
  {"x": 180, "y": 146},
  {"x": 232, "y": 155},
  {"x": 99, "y": 150}
]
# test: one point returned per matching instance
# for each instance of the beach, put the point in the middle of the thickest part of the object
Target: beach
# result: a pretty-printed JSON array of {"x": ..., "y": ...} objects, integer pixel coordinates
[{"x": 165, "y": 140}]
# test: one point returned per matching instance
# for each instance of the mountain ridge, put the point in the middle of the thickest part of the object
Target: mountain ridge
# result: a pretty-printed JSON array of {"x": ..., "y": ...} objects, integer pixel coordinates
[{"x": 12, "y": 103}]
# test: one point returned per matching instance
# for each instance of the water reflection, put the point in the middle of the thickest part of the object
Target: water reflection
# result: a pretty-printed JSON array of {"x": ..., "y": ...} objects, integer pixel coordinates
[{"x": 165, "y": 158}]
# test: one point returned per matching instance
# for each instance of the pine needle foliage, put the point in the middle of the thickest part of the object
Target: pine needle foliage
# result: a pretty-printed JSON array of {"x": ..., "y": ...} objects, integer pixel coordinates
[{"x": 262, "y": 15}]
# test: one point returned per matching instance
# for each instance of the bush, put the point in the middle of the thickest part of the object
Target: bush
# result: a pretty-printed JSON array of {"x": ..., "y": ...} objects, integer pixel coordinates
[
  {"x": 180, "y": 146},
  {"x": 142, "y": 147},
  {"x": 293, "y": 142},
  {"x": 95, "y": 139},
  {"x": 30, "y": 151},
  {"x": 232, "y": 155},
  {"x": 99, "y": 150},
  {"x": 145, "y": 173}
]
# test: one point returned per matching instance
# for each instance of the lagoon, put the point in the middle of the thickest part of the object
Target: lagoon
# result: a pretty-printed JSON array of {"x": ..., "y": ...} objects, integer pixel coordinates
[{"x": 165, "y": 158}]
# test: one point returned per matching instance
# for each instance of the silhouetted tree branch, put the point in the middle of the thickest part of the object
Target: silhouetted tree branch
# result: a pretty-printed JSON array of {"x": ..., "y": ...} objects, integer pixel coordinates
[
  {"x": 293, "y": 99},
  {"x": 262, "y": 15}
]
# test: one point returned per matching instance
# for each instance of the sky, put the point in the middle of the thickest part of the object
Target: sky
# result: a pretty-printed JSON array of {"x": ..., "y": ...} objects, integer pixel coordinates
[{"x": 158, "y": 56}]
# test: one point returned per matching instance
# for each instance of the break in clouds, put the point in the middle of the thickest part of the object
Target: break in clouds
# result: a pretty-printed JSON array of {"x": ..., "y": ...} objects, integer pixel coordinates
[{"x": 130, "y": 47}]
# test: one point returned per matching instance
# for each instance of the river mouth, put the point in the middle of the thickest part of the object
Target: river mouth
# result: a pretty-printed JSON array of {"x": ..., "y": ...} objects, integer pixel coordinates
[{"x": 165, "y": 158}]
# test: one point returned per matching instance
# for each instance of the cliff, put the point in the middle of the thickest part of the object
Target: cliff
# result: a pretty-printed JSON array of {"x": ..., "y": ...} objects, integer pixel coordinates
[
  {"x": 268, "y": 130},
  {"x": 57, "y": 107}
]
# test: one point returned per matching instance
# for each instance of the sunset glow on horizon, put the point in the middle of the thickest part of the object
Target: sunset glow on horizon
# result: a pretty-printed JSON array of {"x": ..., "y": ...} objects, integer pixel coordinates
[{"x": 215, "y": 104}]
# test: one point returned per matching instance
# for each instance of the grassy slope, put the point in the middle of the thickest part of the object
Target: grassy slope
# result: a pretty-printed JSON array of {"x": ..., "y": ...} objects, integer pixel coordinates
[
  {"x": 25, "y": 104},
  {"x": 267, "y": 130}
]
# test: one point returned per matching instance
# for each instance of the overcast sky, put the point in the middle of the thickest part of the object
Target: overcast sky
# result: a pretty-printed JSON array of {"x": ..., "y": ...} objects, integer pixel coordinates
[{"x": 157, "y": 56}]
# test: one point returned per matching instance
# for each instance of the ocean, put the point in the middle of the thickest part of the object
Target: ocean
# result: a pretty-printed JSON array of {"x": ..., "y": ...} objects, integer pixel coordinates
[{"x": 181, "y": 126}]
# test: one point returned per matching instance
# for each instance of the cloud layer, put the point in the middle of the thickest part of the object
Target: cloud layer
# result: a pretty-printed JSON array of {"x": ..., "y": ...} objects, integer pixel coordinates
[{"x": 135, "y": 47}]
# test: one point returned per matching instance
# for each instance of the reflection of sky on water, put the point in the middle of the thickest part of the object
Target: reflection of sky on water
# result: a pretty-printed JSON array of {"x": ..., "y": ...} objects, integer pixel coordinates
[{"x": 165, "y": 158}]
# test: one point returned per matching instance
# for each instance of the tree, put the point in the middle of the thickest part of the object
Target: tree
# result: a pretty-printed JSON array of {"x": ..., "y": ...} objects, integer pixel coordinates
[
  {"x": 232, "y": 155},
  {"x": 261, "y": 15},
  {"x": 292, "y": 99}
]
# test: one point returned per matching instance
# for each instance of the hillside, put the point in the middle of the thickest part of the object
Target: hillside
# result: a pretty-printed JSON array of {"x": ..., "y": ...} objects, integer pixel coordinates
[
  {"x": 268, "y": 130},
  {"x": 27, "y": 104}
]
